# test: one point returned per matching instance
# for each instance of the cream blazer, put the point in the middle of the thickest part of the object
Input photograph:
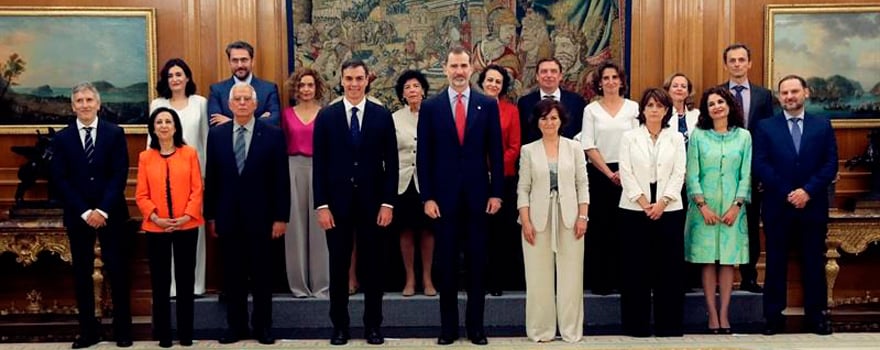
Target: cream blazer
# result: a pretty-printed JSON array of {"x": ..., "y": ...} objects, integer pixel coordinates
[
  {"x": 636, "y": 165},
  {"x": 405, "y": 123},
  {"x": 533, "y": 189}
]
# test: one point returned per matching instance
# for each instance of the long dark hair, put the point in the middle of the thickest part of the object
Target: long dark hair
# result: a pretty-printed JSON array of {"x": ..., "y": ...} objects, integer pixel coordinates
[
  {"x": 178, "y": 129},
  {"x": 162, "y": 87}
]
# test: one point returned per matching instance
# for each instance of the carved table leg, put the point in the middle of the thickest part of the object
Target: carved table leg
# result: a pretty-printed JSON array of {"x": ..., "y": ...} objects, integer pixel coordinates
[
  {"x": 98, "y": 280},
  {"x": 831, "y": 268}
]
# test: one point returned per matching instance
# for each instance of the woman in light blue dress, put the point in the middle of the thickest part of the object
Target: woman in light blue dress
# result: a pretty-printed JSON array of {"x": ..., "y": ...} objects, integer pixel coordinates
[{"x": 718, "y": 184}]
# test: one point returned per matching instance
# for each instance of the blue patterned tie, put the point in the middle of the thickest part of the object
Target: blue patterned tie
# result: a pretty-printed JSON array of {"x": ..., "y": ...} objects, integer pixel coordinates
[
  {"x": 796, "y": 134},
  {"x": 239, "y": 149},
  {"x": 355, "y": 127},
  {"x": 739, "y": 100},
  {"x": 89, "y": 144}
]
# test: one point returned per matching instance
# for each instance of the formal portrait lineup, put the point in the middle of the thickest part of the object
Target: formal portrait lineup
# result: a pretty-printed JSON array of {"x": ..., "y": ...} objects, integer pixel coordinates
[{"x": 419, "y": 174}]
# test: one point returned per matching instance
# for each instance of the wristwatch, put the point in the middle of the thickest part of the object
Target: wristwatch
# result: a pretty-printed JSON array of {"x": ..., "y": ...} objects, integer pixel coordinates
[
  {"x": 701, "y": 204},
  {"x": 583, "y": 217},
  {"x": 665, "y": 200},
  {"x": 738, "y": 203}
]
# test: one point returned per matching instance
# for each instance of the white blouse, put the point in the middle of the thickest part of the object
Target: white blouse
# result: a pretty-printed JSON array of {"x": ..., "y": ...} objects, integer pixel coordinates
[{"x": 603, "y": 131}]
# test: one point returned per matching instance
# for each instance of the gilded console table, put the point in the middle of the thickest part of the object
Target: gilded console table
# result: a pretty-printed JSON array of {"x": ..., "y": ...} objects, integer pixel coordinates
[
  {"x": 850, "y": 232},
  {"x": 26, "y": 237}
]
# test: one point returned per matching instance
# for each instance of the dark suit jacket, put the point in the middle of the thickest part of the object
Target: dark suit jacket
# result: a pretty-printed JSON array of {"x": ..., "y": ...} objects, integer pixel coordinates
[
  {"x": 760, "y": 105},
  {"x": 257, "y": 197},
  {"x": 781, "y": 170},
  {"x": 574, "y": 106},
  {"x": 338, "y": 167},
  {"x": 101, "y": 185},
  {"x": 267, "y": 99},
  {"x": 448, "y": 169}
]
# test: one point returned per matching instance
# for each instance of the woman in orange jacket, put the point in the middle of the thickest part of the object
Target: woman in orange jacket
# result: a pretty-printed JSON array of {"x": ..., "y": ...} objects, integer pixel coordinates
[{"x": 169, "y": 196}]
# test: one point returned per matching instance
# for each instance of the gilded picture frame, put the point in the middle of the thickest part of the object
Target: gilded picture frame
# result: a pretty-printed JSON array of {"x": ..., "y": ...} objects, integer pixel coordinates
[
  {"x": 44, "y": 51},
  {"x": 834, "y": 47}
]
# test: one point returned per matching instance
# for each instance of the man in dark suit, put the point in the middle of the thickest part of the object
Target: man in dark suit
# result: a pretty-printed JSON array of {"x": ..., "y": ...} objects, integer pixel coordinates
[
  {"x": 90, "y": 169},
  {"x": 757, "y": 104},
  {"x": 247, "y": 205},
  {"x": 795, "y": 160},
  {"x": 460, "y": 169},
  {"x": 549, "y": 73},
  {"x": 241, "y": 61},
  {"x": 355, "y": 184}
]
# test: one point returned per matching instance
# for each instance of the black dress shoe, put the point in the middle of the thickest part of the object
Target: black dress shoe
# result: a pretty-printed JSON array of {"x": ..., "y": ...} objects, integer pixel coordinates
[
  {"x": 478, "y": 338},
  {"x": 373, "y": 336},
  {"x": 186, "y": 342},
  {"x": 263, "y": 336},
  {"x": 339, "y": 337},
  {"x": 446, "y": 340},
  {"x": 774, "y": 326},
  {"x": 751, "y": 286},
  {"x": 228, "y": 338},
  {"x": 124, "y": 343},
  {"x": 84, "y": 342},
  {"x": 821, "y": 328},
  {"x": 165, "y": 343}
]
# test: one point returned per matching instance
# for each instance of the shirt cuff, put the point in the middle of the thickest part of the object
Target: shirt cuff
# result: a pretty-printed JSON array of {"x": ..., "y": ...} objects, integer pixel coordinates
[
  {"x": 386, "y": 205},
  {"x": 325, "y": 206},
  {"x": 85, "y": 215},
  {"x": 102, "y": 214}
]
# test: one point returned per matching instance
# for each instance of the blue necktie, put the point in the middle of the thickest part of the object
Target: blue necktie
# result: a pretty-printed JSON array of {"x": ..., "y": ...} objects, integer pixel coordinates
[
  {"x": 683, "y": 127},
  {"x": 239, "y": 149},
  {"x": 355, "y": 127},
  {"x": 796, "y": 134},
  {"x": 89, "y": 145}
]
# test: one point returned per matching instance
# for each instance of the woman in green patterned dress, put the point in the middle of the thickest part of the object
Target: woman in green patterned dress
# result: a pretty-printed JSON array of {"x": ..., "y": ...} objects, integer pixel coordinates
[{"x": 718, "y": 183}]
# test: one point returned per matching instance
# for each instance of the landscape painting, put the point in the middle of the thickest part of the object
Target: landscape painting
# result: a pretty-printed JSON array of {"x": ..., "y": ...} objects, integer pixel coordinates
[
  {"x": 835, "y": 47},
  {"x": 44, "y": 51}
]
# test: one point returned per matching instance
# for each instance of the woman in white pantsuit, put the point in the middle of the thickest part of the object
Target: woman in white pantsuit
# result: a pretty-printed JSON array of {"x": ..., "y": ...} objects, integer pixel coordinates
[
  {"x": 305, "y": 245},
  {"x": 553, "y": 199}
]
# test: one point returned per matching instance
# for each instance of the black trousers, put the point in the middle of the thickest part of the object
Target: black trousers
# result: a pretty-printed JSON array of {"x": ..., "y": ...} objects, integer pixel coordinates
[
  {"x": 505, "y": 267},
  {"x": 159, "y": 250},
  {"x": 806, "y": 232},
  {"x": 748, "y": 271},
  {"x": 602, "y": 250},
  {"x": 653, "y": 262},
  {"x": 115, "y": 250},
  {"x": 247, "y": 266},
  {"x": 359, "y": 226},
  {"x": 461, "y": 229}
]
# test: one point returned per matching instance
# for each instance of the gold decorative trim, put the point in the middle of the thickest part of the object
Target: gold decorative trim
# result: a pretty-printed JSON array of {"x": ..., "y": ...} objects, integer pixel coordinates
[{"x": 27, "y": 246}]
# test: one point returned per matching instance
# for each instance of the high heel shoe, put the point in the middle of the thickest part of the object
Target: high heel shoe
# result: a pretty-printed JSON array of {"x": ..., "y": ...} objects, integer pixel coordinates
[{"x": 724, "y": 330}]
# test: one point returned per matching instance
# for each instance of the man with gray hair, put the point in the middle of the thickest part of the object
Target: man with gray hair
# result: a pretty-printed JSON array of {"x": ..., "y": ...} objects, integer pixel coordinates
[
  {"x": 90, "y": 169},
  {"x": 247, "y": 205}
]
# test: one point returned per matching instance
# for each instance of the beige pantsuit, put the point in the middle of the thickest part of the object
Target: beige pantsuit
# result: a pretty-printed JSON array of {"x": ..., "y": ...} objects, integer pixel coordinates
[
  {"x": 305, "y": 244},
  {"x": 556, "y": 253}
]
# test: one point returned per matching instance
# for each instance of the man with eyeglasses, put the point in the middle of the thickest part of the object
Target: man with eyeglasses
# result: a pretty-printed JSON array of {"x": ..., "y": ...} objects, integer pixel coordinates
[
  {"x": 247, "y": 205},
  {"x": 241, "y": 61}
]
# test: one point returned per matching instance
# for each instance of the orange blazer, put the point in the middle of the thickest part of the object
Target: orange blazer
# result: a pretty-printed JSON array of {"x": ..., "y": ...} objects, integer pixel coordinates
[{"x": 186, "y": 187}]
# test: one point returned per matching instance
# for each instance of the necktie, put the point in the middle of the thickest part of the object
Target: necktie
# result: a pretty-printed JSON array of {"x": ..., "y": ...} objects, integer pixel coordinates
[
  {"x": 739, "y": 100},
  {"x": 238, "y": 149},
  {"x": 355, "y": 127},
  {"x": 796, "y": 134},
  {"x": 550, "y": 97},
  {"x": 459, "y": 118},
  {"x": 682, "y": 126},
  {"x": 89, "y": 145}
]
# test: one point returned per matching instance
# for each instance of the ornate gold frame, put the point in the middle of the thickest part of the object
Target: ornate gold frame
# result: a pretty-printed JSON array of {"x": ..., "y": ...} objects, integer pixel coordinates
[
  {"x": 769, "y": 22},
  {"x": 149, "y": 14}
]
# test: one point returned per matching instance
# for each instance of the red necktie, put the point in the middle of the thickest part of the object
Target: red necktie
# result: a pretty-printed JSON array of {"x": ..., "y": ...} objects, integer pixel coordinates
[{"x": 459, "y": 118}]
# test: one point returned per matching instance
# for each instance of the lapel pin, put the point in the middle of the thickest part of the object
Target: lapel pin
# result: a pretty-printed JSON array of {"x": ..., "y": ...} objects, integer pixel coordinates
[{"x": 479, "y": 107}]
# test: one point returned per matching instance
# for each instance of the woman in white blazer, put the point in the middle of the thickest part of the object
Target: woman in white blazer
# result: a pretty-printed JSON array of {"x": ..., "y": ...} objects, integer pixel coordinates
[
  {"x": 652, "y": 169},
  {"x": 552, "y": 199}
]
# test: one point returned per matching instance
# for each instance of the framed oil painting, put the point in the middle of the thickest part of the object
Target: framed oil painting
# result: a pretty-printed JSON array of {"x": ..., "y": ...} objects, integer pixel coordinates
[
  {"x": 835, "y": 47},
  {"x": 44, "y": 51}
]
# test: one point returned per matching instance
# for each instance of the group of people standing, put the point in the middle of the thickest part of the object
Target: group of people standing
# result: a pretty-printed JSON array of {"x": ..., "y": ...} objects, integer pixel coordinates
[{"x": 464, "y": 170}]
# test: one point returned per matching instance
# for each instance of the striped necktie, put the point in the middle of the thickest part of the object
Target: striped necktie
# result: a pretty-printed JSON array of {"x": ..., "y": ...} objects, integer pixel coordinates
[{"x": 89, "y": 144}]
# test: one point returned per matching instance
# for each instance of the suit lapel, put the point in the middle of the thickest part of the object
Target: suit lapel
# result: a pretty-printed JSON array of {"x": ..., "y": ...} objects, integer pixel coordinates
[
  {"x": 475, "y": 109},
  {"x": 781, "y": 124},
  {"x": 448, "y": 123}
]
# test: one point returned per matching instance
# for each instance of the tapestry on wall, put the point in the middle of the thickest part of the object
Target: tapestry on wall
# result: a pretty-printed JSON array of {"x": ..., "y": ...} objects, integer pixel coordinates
[{"x": 395, "y": 35}]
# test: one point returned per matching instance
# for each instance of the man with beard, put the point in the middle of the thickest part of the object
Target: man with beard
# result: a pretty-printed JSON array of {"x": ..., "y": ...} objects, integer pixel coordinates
[
  {"x": 549, "y": 72},
  {"x": 795, "y": 158},
  {"x": 241, "y": 61},
  {"x": 461, "y": 174}
]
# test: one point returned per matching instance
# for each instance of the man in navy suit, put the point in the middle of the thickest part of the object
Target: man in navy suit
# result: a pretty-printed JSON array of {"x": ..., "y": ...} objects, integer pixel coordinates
[
  {"x": 756, "y": 103},
  {"x": 460, "y": 169},
  {"x": 795, "y": 158},
  {"x": 90, "y": 169},
  {"x": 241, "y": 61},
  {"x": 355, "y": 184},
  {"x": 549, "y": 73},
  {"x": 247, "y": 205}
]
